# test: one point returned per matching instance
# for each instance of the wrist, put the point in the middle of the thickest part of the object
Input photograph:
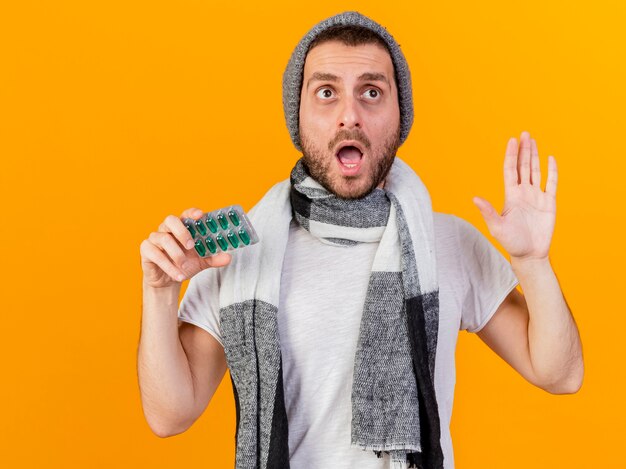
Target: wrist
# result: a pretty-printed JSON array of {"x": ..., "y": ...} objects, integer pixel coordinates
[
  {"x": 524, "y": 265},
  {"x": 168, "y": 293}
]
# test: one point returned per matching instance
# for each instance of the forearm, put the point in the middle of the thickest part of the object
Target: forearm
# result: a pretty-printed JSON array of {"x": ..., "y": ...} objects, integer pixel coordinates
[
  {"x": 165, "y": 379},
  {"x": 553, "y": 338}
]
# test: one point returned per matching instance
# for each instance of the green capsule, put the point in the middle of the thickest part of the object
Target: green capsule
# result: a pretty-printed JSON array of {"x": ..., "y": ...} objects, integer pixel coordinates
[
  {"x": 243, "y": 234},
  {"x": 200, "y": 247},
  {"x": 191, "y": 229},
  {"x": 232, "y": 239},
  {"x": 201, "y": 227},
  {"x": 222, "y": 242},
  {"x": 211, "y": 245},
  {"x": 211, "y": 224},
  {"x": 233, "y": 217},
  {"x": 222, "y": 220}
]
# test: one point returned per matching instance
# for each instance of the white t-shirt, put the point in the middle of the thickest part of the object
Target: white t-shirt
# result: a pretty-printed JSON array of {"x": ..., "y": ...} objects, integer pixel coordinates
[{"x": 322, "y": 293}]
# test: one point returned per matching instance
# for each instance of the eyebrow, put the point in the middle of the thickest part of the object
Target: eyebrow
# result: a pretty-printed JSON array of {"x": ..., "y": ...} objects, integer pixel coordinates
[{"x": 367, "y": 76}]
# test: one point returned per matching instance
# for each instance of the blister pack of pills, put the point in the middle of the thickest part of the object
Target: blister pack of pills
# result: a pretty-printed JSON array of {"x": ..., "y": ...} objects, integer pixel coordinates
[{"x": 222, "y": 230}]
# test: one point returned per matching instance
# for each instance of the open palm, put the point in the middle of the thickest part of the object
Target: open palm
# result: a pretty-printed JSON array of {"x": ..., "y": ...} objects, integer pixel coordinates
[{"x": 525, "y": 226}]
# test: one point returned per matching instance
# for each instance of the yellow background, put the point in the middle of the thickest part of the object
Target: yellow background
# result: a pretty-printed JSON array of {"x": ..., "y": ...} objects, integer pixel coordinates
[{"x": 114, "y": 114}]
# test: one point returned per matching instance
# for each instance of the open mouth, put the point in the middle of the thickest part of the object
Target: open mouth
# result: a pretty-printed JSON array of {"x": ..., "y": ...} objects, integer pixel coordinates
[{"x": 350, "y": 156}]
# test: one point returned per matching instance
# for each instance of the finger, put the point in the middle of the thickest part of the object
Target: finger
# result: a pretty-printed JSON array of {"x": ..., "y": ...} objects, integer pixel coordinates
[
  {"x": 535, "y": 170},
  {"x": 193, "y": 212},
  {"x": 510, "y": 164},
  {"x": 175, "y": 226},
  {"x": 553, "y": 176},
  {"x": 153, "y": 254},
  {"x": 523, "y": 161},
  {"x": 218, "y": 260},
  {"x": 492, "y": 218},
  {"x": 167, "y": 243}
]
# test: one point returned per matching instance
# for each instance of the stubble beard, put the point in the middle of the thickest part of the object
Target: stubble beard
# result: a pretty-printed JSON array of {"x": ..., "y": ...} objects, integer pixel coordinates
[{"x": 318, "y": 162}]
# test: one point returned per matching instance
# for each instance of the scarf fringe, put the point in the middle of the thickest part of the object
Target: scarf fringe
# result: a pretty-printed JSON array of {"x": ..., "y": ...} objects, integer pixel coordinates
[
  {"x": 413, "y": 460},
  {"x": 386, "y": 447}
]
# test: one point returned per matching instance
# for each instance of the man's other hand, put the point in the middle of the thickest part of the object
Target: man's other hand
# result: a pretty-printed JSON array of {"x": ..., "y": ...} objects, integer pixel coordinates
[{"x": 525, "y": 227}]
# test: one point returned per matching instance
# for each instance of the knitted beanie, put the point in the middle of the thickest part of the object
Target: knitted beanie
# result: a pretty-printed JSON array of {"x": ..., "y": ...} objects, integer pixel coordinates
[{"x": 292, "y": 78}]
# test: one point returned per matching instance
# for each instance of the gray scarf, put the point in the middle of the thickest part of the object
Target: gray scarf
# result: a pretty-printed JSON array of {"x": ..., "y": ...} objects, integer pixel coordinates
[{"x": 394, "y": 407}]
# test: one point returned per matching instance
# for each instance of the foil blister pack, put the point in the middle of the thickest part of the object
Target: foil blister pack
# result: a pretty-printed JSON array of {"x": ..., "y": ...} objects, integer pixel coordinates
[{"x": 223, "y": 230}]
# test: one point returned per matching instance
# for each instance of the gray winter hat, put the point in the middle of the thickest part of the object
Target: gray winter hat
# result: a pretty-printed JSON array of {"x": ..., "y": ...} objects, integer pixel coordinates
[{"x": 292, "y": 78}]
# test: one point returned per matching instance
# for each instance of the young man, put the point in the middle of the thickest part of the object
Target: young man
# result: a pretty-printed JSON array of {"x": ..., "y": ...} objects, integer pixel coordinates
[{"x": 339, "y": 327}]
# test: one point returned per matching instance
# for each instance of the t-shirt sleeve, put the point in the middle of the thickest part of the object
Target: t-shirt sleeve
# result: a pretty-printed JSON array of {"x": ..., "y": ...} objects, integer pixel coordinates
[
  {"x": 489, "y": 277},
  {"x": 200, "y": 304}
]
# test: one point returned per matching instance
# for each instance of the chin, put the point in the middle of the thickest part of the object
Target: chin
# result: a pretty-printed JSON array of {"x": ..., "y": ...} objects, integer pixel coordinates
[{"x": 350, "y": 189}]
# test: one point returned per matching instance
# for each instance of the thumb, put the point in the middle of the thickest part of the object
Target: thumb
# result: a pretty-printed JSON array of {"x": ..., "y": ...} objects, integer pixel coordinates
[
  {"x": 492, "y": 218},
  {"x": 219, "y": 260}
]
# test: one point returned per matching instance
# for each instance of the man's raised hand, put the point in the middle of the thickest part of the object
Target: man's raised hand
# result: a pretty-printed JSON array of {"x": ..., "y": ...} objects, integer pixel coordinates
[
  {"x": 168, "y": 256},
  {"x": 525, "y": 227}
]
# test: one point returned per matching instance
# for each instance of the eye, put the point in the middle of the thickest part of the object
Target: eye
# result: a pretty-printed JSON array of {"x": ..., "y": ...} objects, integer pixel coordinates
[
  {"x": 324, "y": 93},
  {"x": 372, "y": 94}
]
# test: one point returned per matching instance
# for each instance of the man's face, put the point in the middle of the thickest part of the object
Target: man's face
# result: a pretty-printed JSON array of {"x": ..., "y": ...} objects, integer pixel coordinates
[{"x": 349, "y": 117}]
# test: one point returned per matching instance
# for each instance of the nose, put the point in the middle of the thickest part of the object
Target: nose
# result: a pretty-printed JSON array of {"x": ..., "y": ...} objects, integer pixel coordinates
[{"x": 349, "y": 114}]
